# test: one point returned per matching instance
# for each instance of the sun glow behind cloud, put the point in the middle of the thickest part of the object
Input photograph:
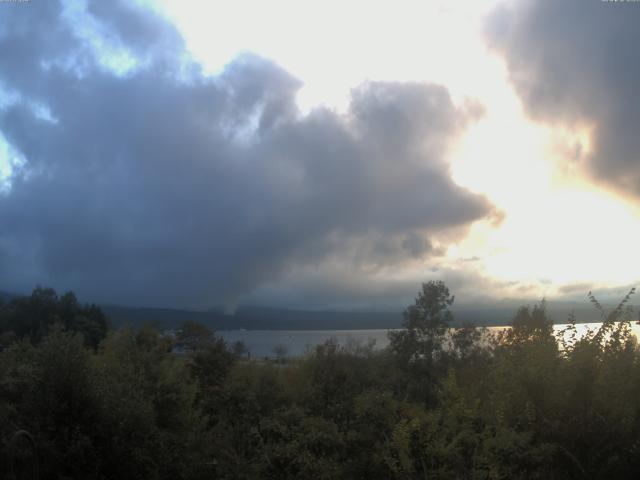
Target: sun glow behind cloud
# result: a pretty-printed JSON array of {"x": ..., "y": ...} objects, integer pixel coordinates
[
  {"x": 333, "y": 46},
  {"x": 558, "y": 228}
]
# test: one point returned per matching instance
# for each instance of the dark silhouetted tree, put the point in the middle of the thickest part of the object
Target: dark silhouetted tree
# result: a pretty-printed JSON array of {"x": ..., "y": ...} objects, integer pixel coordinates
[{"x": 32, "y": 317}]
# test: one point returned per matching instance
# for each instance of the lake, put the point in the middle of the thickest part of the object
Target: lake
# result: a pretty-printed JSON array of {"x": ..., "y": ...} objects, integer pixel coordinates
[{"x": 261, "y": 343}]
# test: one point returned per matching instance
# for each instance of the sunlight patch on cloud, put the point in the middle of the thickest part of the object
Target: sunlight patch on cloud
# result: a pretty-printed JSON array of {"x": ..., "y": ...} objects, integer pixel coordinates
[
  {"x": 10, "y": 162},
  {"x": 110, "y": 53}
]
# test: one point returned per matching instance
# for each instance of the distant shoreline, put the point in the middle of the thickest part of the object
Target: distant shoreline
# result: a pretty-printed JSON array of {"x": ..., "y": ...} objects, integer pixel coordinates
[{"x": 270, "y": 319}]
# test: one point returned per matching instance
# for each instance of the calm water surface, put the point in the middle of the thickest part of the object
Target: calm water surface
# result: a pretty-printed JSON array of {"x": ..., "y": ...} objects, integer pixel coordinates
[{"x": 262, "y": 343}]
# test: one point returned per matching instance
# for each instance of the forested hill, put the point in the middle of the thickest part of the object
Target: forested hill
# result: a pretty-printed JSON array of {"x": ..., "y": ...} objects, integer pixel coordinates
[
  {"x": 263, "y": 318},
  {"x": 4, "y": 296},
  {"x": 255, "y": 318}
]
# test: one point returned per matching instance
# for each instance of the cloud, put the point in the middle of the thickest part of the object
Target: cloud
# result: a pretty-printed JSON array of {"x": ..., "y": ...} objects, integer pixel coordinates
[
  {"x": 147, "y": 182},
  {"x": 335, "y": 284},
  {"x": 575, "y": 63},
  {"x": 574, "y": 288}
]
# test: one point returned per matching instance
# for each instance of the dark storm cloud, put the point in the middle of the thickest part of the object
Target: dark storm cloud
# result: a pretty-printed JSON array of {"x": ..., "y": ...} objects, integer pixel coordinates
[
  {"x": 159, "y": 185},
  {"x": 576, "y": 61}
]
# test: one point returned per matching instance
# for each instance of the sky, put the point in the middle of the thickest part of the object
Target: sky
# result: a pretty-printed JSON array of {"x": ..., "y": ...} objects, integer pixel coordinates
[{"x": 325, "y": 155}]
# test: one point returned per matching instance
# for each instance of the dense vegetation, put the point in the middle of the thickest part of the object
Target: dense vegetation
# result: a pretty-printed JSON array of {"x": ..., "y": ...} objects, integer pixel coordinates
[{"x": 137, "y": 404}]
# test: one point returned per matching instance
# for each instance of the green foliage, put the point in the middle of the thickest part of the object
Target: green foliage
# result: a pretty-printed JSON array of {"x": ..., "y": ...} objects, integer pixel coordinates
[
  {"x": 419, "y": 348},
  {"x": 193, "y": 336},
  {"x": 33, "y": 317},
  {"x": 425, "y": 325},
  {"x": 439, "y": 403}
]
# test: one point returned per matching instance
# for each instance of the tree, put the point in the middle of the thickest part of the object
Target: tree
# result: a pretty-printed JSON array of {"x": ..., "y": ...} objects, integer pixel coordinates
[
  {"x": 193, "y": 336},
  {"x": 32, "y": 317},
  {"x": 239, "y": 349},
  {"x": 209, "y": 361},
  {"x": 532, "y": 325},
  {"x": 419, "y": 347},
  {"x": 425, "y": 325}
]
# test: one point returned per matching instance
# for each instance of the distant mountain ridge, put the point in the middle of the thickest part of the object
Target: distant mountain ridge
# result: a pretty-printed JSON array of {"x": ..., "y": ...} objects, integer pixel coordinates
[
  {"x": 267, "y": 318},
  {"x": 5, "y": 296},
  {"x": 255, "y": 318}
]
